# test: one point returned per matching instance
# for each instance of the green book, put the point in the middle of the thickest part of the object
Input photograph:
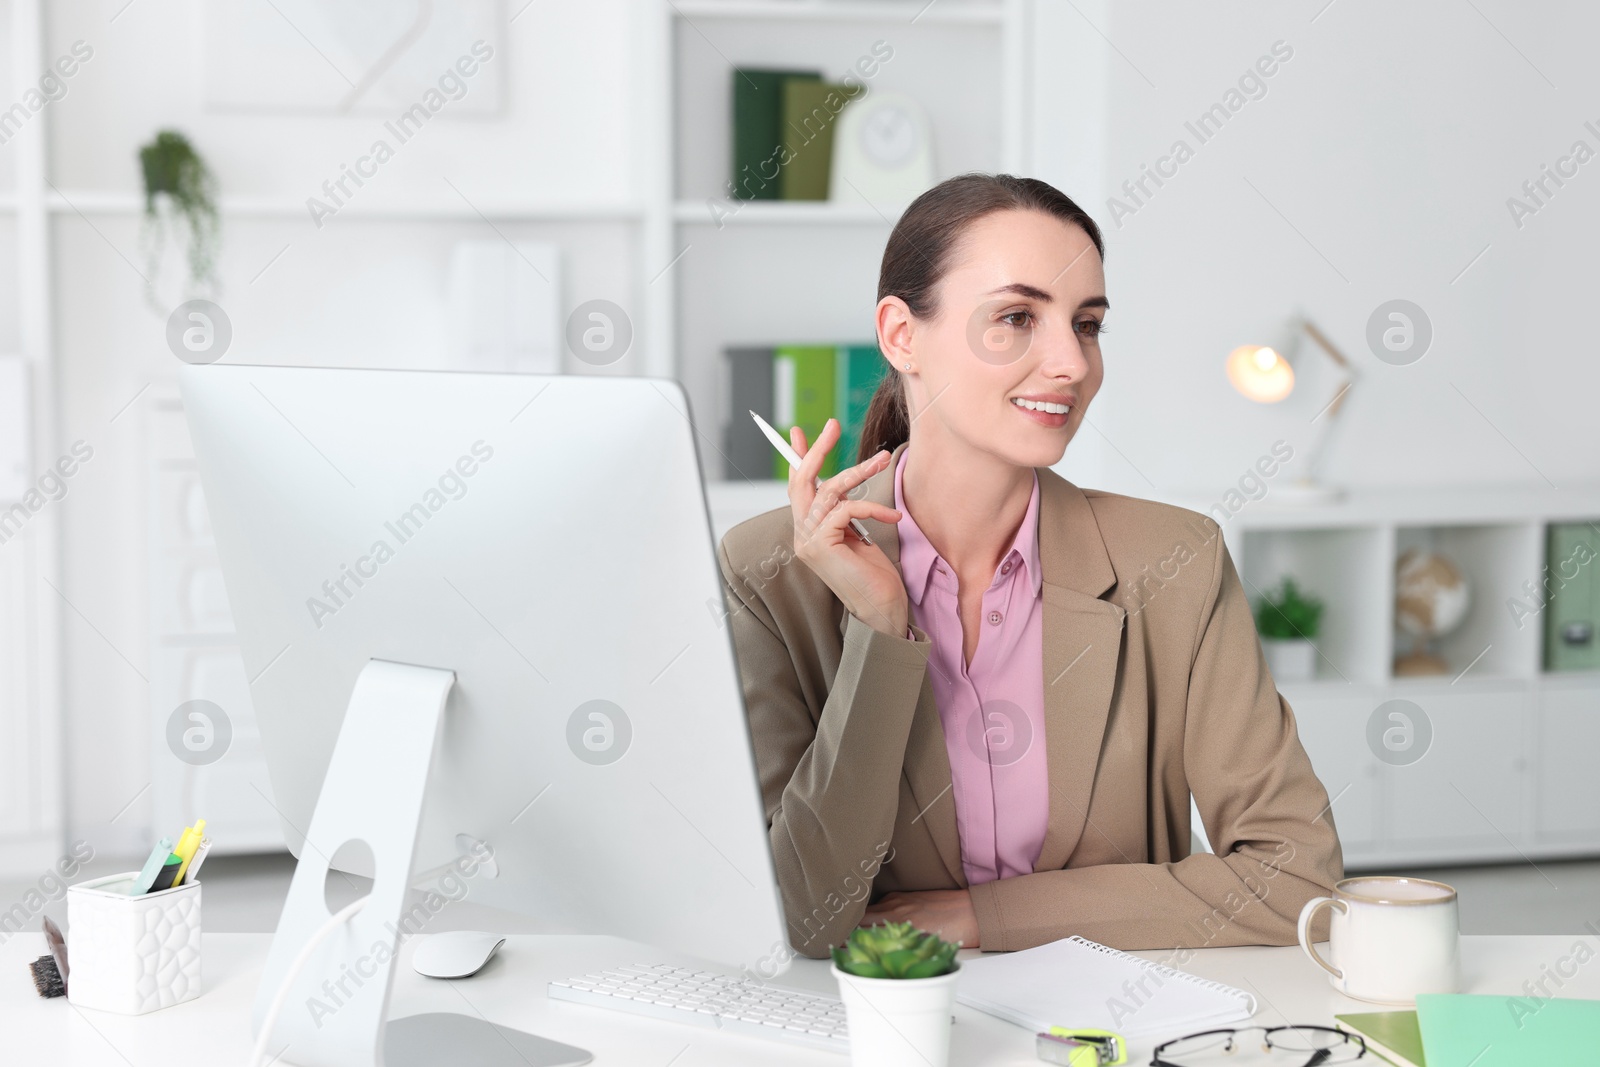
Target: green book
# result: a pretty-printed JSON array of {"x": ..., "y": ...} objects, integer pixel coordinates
[
  {"x": 803, "y": 395},
  {"x": 810, "y": 112},
  {"x": 757, "y": 130},
  {"x": 1462, "y": 1030},
  {"x": 1572, "y": 618},
  {"x": 859, "y": 370},
  {"x": 1394, "y": 1035}
]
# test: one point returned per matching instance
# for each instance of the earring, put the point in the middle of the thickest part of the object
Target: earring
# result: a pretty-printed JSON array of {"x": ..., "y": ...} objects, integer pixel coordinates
[{"x": 907, "y": 366}]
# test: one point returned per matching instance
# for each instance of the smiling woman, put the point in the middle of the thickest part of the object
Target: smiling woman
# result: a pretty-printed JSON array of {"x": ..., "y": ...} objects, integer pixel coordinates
[{"x": 974, "y": 686}]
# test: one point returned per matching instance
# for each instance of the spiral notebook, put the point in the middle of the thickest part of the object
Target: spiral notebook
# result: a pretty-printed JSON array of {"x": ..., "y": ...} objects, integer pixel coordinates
[{"x": 1079, "y": 983}]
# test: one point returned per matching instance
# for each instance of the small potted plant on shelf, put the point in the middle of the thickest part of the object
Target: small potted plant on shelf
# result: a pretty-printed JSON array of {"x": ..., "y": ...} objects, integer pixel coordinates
[
  {"x": 1287, "y": 621},
  {"x": 898, "y": 985}
]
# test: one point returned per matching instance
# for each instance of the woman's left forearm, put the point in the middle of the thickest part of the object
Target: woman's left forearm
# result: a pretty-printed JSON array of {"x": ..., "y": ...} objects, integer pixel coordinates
[{"x": 1252, "y": 897}]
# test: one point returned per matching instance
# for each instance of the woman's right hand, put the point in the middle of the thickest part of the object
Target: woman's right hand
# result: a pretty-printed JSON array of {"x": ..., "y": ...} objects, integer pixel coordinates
[{"x": 860, "y": 575}]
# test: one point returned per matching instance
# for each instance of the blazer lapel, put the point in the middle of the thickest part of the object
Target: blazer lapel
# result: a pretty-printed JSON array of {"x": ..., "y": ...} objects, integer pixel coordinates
[
  {"x": 1082, "y": 637},
  {"x": 1082, "y": 644}
]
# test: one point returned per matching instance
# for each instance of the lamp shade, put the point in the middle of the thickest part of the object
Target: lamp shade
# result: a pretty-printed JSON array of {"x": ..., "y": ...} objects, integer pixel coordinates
[{"x": 1260, "y": 373}]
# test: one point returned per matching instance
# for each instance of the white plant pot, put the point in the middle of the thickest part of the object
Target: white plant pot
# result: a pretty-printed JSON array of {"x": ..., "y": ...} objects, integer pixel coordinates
[
  {"x": 1292, "y": 660},
  {"x": 898, "y": 1022},
  {"x": 131, "y": 955}
]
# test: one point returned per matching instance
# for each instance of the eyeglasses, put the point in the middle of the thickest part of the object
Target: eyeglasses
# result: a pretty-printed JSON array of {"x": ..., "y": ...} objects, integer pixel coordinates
[{"x": 1286, "y": 1044}]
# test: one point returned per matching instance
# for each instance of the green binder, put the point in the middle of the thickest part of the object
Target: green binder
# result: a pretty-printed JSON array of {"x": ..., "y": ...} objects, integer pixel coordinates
[
  {"x": 803, "y": 395},
  {"x": 1572, "y": 618},
  {"x": 746, "y": 452},
  {"x": 757, "y": 129},
  {"x": 810, "y": 113},
  {"x": 857, "y": 374}
]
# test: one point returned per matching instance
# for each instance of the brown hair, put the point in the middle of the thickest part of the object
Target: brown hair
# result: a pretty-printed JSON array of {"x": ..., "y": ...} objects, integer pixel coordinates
[{"x": 918, "y": 256}]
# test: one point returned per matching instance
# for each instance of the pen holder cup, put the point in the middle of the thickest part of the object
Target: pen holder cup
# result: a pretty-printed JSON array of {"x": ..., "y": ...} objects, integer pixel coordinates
[{"x": 132, "y": 954}]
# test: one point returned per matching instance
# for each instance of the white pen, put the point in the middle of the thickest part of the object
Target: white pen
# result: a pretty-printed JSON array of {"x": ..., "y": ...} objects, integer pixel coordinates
[{"x": 794, "y": 461}]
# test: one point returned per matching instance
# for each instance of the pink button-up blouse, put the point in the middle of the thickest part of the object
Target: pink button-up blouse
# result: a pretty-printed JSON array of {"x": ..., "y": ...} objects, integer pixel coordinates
[{"x": 993, "y": 709}]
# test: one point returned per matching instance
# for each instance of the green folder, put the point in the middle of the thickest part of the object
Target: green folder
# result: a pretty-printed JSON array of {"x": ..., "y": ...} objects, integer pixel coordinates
[
  {"x": 803, "y": 395},
  {"x": 1572, "y": 618},
  {"x": 1459, "y": 1030},
  {"x": 757, "y": 129},
  {"x": 1393, "y": 1035},
  {"x": 857, "y": 374},
  {"x": 810, "y": 113}
]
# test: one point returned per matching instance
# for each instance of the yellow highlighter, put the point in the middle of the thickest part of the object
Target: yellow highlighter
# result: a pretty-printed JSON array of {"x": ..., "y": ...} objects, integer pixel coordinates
[
  {"x": 186, "y": 846},
  {"x": 1082, "y": 1047}
]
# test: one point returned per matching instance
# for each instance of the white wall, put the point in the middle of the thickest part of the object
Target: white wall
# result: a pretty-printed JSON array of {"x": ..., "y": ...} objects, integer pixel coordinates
[
  {"x": 1391, "y": 141},
  {"x": 359, "y": 291}
]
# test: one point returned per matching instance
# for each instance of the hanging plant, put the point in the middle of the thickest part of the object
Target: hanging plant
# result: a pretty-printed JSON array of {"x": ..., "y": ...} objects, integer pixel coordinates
[{"x": 179, "y": 202}]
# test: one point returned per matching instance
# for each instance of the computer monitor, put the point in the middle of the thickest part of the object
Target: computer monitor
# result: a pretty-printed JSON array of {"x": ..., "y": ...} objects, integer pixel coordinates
[{"x": 481, "y": 614}]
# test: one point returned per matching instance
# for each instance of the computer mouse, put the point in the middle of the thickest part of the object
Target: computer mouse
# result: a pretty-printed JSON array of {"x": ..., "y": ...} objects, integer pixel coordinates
[{"x": 456, "y": 953}]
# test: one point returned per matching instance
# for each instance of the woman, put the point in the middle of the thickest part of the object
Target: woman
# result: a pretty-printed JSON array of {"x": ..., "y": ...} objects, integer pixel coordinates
[{"x": 989, "y": 720}]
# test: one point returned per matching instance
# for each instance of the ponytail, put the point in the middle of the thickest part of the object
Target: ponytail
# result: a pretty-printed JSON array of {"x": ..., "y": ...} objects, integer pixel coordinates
[{"x": 887, "y": 424}]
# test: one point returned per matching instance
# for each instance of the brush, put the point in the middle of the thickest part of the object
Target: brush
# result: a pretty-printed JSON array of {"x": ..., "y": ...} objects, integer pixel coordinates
[
  {"x": 46, "y": 978},
  {"x": 50, "y": 972}
]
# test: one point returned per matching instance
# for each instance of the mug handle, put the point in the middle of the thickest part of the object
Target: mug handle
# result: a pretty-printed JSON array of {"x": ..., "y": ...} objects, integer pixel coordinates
[{"x": 1308, "y": 913}]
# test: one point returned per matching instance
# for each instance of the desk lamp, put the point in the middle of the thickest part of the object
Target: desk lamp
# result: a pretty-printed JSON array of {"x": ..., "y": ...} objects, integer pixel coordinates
[{"x": 1265, "y": 374}]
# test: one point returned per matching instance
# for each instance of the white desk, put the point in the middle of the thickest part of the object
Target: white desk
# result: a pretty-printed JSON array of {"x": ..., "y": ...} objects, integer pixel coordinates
[{"x": 213, "y": 1030}]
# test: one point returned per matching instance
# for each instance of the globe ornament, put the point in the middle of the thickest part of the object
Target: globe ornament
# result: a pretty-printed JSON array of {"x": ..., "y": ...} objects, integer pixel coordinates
[{"x": 1431, "y": 600}]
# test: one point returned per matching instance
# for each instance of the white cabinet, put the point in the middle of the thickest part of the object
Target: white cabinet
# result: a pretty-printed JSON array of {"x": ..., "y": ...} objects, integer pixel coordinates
[
  {"x": 1465, "y": 794},
  {"x": 1568, "y": 789},
  {"x": 1333, "y": 730}
]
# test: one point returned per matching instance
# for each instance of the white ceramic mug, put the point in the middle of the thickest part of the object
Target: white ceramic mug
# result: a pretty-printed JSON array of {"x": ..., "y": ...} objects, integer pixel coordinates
[{"x": 1389, "y": 939}]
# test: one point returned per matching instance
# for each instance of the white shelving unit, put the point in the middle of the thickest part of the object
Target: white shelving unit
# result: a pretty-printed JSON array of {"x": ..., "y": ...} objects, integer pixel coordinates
[
  {"x": 32, "y": 809},
  {"x": 190, "y": 649},
  {"x": 763, "y": 272},
  {"x": 1506, "y": 776},
  {"x": 100, "y": 202}
]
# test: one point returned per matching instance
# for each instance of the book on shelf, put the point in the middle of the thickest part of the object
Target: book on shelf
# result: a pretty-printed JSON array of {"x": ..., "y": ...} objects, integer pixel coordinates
[
  {"x": 810, "y": 111},
  {"x": 802, "y": 395},
  {"x": 783, "y": 123},
  {"x": 796, "y": 384},
  {"x": 758, "y": 138},
  {"x": 746, "y": 452},
  {"x": 856, "y": 381}
]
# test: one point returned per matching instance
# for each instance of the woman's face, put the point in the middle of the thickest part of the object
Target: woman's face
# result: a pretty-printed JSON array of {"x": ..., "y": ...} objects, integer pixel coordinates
[{"x": 1019, "y": 315}]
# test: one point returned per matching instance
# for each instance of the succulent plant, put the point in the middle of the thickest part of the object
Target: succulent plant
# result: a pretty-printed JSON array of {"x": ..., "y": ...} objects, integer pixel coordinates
[
  {"x": 895, "y": 950},
  {"x": 1287, "y": 613}
]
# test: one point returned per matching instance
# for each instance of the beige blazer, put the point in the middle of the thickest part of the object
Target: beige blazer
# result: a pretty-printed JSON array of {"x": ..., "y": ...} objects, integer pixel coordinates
[{"x": 1155, "y": 687}]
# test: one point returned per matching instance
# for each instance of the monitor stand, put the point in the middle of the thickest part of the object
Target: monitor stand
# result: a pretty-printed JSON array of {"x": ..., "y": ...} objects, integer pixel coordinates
[{"x": 336, "y": 1011}]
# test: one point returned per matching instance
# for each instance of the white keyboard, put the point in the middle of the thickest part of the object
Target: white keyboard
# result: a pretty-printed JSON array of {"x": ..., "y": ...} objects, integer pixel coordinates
[{"x": 704, "y": 998}]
